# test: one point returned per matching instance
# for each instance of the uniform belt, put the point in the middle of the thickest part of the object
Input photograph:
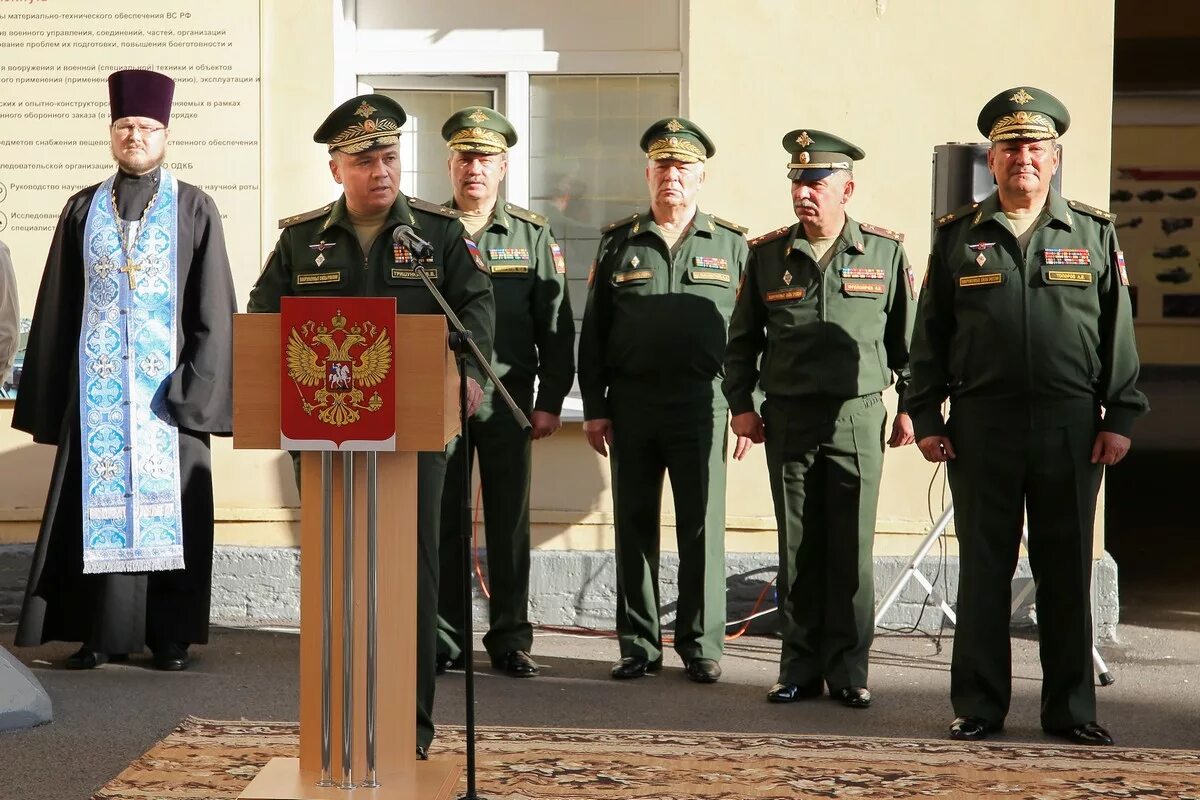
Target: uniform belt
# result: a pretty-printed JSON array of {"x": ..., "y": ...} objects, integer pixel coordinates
[
  {"x": 1025, "y": 412},
  {"x": 824, "y": 406}
]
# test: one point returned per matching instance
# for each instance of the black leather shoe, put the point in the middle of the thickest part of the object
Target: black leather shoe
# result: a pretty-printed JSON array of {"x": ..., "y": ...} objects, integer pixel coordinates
[
  {"x": 634, "y": 667},
  {"x": 972, "y": 729},
  {"x": 1090, "y": 733},
  {"x": 170, "y": 656},
  {"x": 86, "y": 658},
  {"x": 853, "y": 696},
  {"x": 791, "y": 692},
  {"x": 517, "y": 664},
  {"x": 703, "y": 670},
  {"x": 445, "y": 663},
  {"x": 422, "y": 753}
]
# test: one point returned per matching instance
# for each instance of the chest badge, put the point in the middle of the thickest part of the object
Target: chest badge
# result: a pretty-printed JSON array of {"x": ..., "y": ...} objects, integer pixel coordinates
[
  {"x": 787, "y": 278},
  {"x": 981, "y": 259},
  {"x": 633, "y": 262},
  {"x": 979, "y": 247}
]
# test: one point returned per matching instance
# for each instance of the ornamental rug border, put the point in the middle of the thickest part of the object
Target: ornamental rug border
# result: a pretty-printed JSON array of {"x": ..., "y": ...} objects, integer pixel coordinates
[
  {"x": 216, "y": 760},
  {"x": 129, "y": 445}
]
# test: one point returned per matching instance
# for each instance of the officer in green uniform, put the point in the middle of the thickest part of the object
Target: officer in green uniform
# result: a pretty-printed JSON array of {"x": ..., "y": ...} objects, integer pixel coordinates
[
  {"x": 828, "y": 305},
  {"x": 660, "y": 295},
  {"x": 535, "y": 339},
  {"x": 346, "y": 248},
  {"x": 1025, "y": 325}
]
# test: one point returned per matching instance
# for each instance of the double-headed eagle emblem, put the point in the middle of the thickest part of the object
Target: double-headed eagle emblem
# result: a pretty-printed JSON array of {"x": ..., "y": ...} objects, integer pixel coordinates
[{"x": 356, "y": 358}]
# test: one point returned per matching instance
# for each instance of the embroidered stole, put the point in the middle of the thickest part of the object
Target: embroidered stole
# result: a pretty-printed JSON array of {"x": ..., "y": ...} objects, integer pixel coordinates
[{"x": 132, "y": 503}]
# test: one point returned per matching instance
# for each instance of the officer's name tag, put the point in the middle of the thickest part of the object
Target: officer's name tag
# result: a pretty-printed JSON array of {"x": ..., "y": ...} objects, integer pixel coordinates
[
  {"x": 411, "y": 274},
  {"x": 632, "y": 275},
  {"x": 509, "y": 269},
  {"x": 507, "y": 254},
  {"x": 311, "y": 278},
  {"x": 869, "y": 273},
  {"x": 784, "y": 295},
  {"x": 863, "y": 287},
  {"x": 1066, "y": 256},
  {"x": 1068, "y": 276},
  {"x": 708, "y": 262},
  {"x": 986, "y": 279},
  {"x": 708, "y": 276}
]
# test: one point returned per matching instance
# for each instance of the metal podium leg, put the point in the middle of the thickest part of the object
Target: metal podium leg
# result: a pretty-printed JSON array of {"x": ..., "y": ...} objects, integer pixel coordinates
[
  {"x": 372, "y": 611},
  {"x": 326, "y": 619},
  {"x": 347, "y": 781}
]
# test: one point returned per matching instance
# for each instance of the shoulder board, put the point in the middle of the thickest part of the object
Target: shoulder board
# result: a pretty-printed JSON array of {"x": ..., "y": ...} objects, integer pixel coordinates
[
  {"x": 433, "y": 208},
  {"x": 769, "y": 237},
  {"x": 1091, "y": 211},
  {"x": 958, "y": 213},
  {"x": 526, "y": 214},
  {"x": 296, "y": 219},
  {"x": 886, "y": 233},
  {"x": 612, "y": 226},
  {"x": 733, "y": 226}
]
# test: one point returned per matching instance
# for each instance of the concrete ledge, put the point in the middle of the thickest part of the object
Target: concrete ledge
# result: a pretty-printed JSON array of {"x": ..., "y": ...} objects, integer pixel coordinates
[{"x": 261, "y": 585}]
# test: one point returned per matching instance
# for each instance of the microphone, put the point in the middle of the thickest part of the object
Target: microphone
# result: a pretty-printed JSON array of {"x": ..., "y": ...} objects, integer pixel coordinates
[{"x": 404, "y": 235}]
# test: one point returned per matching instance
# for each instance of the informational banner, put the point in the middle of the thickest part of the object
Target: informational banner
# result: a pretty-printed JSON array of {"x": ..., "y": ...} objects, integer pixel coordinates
[
  {"x": 338, "y": 379},
  {"x": 55, "y": 58}
]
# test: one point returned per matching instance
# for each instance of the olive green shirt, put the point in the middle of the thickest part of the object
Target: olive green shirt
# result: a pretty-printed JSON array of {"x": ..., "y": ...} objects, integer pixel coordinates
[
  {"x": 319, "y": 255},
  {"x": 656, "y": 323},
  {"x": 835, "y": 332},
  {"x": 1026, "y": 336},
  {"x": 535, "y": 332}
]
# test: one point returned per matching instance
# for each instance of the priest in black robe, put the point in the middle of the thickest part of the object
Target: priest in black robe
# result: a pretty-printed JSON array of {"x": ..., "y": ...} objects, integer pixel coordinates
[{"x": 114, "y": 614}]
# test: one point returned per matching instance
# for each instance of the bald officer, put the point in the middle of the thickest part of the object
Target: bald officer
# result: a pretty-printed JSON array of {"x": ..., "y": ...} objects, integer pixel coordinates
[
  {"x": 827, "y": 306},
  {"x": 535, "y": 342},
  {"x": 659, "y": 299},
  {"x": 1025, "y": 325},
  {"x": 346, "y": 249}
]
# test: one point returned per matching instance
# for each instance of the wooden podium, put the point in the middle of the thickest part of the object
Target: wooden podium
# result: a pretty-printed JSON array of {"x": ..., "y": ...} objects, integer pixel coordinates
[{"x": 426, "y": 419}]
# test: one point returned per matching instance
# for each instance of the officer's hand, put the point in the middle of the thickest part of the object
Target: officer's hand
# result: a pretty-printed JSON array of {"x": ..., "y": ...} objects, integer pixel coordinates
[
  {"x": 749, "y": 425},
  {"x": 936, "y": 448},
  {"x": 742, "y": 447},
  {"x": 1109, "y": 448},
  {"x": 902, "y": 431},
  {"x": 544, "y": 424},
  {"x": 474, "y": 397},
  {"x": 599, "y": 434}
]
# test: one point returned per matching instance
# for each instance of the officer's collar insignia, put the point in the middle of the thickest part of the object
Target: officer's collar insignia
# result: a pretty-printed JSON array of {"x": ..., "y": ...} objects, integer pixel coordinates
[
  {"x": 674, "y": 126},
  {"x": 787, "y": 278},
  {"x": 979, "y": 247},
  {"x": 365, "y": 110},
  {"x": 1021, "y": 97},
  {"x": 321, "y": 246}
]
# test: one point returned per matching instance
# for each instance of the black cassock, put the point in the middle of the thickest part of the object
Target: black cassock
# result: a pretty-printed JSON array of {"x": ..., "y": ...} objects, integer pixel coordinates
[{"x": 121, "y": 612}]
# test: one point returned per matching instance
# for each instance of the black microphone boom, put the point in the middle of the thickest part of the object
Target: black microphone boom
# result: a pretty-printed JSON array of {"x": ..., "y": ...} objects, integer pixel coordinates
[{"x": 405, "y": 235}]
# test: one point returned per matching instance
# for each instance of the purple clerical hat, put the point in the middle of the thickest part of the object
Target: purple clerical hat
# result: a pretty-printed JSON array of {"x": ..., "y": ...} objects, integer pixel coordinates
[{"x": 140, "y": 93}]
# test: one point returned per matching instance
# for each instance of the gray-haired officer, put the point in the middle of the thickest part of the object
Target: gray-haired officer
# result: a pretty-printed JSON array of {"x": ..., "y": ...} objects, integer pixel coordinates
[
  {"x": 660, "y": 295},
  {"x": 346, "y": 249},
  {"x": 1025, "y": 326},
  {"x": 535, "y": 340},
  {"x": 827, "y": 305}
]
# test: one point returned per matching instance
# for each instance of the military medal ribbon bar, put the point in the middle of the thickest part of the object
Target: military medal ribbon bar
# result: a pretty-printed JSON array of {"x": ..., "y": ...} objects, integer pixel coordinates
[{"x": 1066, "y": 256}]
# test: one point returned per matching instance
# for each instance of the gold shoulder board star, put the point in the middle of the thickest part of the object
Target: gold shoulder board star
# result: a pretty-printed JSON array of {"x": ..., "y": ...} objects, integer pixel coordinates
[
  {"x": 478, "y": 116},
  {"x": 365, "y": 110},
  {"x": 1021, "y": 97},
  {"x": 674, "y": 126},
  {"x": 804, "y": 140}
]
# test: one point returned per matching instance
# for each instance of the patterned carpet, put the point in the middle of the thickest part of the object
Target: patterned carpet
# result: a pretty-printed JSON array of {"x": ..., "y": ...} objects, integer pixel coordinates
[{"x": 211, "y": 760}]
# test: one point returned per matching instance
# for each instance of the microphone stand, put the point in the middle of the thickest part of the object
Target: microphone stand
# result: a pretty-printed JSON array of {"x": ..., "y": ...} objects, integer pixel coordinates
[{"x": 461, "y": 341}]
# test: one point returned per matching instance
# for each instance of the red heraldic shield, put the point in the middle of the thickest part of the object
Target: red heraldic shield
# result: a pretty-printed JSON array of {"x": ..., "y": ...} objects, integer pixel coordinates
[{"x": 338, "y": 381}]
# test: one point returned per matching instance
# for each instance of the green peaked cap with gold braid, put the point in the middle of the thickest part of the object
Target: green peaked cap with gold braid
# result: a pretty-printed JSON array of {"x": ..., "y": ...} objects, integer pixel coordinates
[
  {"x": 815, "y": 154},
  {"x": 362, "y": 123},
  {"x": 476, "y": 129},
  {"x": 679, "y": 139},
  {"x": 1023, "y": 112}
]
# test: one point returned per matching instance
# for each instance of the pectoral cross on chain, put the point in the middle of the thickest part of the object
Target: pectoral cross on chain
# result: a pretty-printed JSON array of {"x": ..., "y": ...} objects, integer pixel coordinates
[{"x": 131, "y": 270}]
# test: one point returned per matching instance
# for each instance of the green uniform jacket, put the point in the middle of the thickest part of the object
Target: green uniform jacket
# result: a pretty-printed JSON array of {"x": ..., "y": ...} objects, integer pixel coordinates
[
  {"x": 838, "y": 332},
  {"x": 1025, "y": 338},
  {"x": 654, "y": 323},
  {"x": 535, "y": 332},
  {"x": 318, "y": 254}
]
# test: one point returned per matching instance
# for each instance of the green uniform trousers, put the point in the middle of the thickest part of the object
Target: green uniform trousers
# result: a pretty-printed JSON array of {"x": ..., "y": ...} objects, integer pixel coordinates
[
  {"x": 999, "y": 475},
  {"x": 505, "y": 456},
  {"x": 431, "y": 474},
  {"x": 688, "y": 442},
  {"x": 825, "y": 459}
]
